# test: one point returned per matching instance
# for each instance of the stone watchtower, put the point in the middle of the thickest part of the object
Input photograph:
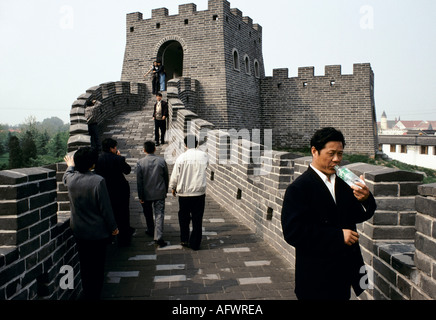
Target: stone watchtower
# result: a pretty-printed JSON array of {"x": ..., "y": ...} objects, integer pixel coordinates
[{"x": 218, "y": 47}]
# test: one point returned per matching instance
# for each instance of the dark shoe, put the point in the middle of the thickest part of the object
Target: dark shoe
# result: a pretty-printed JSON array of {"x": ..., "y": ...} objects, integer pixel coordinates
[
  {"x": 160, "y": 243},
  {"x": 184, "y": 244},
  {"x": 157, "y": 144}
]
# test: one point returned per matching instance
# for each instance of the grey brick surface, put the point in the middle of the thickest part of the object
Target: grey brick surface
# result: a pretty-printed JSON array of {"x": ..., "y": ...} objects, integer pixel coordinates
[{"x": 211, "y": 273}]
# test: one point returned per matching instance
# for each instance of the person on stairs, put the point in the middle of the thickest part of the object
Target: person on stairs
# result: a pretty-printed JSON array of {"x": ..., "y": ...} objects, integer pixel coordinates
[{"x": 160, "y": 115}]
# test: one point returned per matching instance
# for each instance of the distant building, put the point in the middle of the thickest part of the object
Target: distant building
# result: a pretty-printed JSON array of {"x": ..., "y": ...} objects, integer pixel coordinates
[
  {"x": 417, "y": 150},
  {"x": 401, "y": 127},
  {"x": 411, "y": 142}
]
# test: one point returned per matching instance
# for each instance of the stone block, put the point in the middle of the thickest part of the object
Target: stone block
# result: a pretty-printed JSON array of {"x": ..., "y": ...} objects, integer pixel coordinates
[
  {"x": 390, "y": 175},
  {"x": 426, "y": 245},
  {"x": 16, "y": 192},
  {"x": 12, "y": 177},
  {"x": 426, "y": 206},
  {"x": 427, "y": 190},
  {"x": 396, "y": 204}
]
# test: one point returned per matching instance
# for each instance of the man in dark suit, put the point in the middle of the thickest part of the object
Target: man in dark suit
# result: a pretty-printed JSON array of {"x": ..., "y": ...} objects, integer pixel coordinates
[
  {"x": 319, "y": 217},
  {"x": 112, "y": 167},
  {"x": 160, "y": 116},
  {"x": 92, "y": 220}
]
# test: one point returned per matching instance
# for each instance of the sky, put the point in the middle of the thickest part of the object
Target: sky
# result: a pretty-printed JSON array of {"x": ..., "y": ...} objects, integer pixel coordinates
[{"x": 52, "y": 51}]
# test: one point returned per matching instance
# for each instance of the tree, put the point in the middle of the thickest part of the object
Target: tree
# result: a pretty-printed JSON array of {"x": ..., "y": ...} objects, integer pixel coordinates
[
  {"x": 15, "y": 153},
  {"x": 58, "y": 145},
  {"x": 42, "y": 141},
  {"x": 28, "y": 147}
]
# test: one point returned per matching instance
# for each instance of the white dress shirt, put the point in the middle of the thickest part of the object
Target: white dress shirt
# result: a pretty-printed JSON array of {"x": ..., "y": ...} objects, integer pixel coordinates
[{"x": 330, "y": 184}]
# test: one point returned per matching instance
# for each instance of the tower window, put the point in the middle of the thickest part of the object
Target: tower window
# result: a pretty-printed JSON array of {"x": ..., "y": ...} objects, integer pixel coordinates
[
  {"x": 269, "y": 214},
  {"x": 235, "y": 60},
  {"x": 247, "y": 64},
  {"x": 186, "y": 21},
  {"x": 215, "y": 17},
  {"x": 157, "y": 25},
  {"x": 132, "y": 29},
  {"x": 256, "y": 69}
]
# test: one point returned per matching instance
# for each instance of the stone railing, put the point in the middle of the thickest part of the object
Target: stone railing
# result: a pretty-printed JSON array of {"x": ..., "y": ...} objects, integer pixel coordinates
[
  {"x": 35, "y": 241},
  {"x": 116, "y": 97}
]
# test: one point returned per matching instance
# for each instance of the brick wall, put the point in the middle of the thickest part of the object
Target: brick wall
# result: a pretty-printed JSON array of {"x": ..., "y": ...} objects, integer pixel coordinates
[
  {"x": 35, "y": 242},
  {"x": 294, "y": 108},
  {"x": 116, "y": 97}
]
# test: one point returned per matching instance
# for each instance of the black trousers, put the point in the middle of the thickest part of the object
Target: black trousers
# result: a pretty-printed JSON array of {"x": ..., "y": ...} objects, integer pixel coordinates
[
  {"x": 155, "y": 84},
  {"x": 191, "y": 208},
  {"x": 162, "y": 126},
  {"x": 121, "y": 211},
  {"x": 92, "y": 256}
]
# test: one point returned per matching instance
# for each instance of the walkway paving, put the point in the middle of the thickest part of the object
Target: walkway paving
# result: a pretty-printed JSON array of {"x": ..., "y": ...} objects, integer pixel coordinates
[{"x": 233, "y": 263}]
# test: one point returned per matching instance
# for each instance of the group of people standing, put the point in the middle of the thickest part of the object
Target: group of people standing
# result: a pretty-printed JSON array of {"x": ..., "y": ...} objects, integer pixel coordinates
[
  {"x": 319, "y": 213},
  {"x": 100, "y": 197},
  {"x": 157, "y": 71}
]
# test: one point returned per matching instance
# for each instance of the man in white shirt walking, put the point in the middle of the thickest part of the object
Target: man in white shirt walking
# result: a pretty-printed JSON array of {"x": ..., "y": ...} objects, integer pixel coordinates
[{"x": 188, "y": 180}]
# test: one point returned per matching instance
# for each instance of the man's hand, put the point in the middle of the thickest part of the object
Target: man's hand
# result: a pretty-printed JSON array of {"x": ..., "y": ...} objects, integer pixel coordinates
[
  {"x": 174, "y": 192},
  {"x": 361, "y": 192},
  {"x": 350, "y": 237},
  {"x": 115, "y": 232},
  {"x": 69, "y": 160}
]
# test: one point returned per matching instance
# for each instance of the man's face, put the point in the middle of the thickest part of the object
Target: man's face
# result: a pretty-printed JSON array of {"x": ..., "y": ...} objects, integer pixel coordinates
[
  {"x": 329, "y": 157},
  {"x": 158, "y": 98},
  {"x": 114, "y": 150}
]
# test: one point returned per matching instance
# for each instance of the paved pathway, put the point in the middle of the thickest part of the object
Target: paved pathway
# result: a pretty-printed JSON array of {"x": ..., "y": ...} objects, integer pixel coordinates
[{"x": 233, "y": 263}]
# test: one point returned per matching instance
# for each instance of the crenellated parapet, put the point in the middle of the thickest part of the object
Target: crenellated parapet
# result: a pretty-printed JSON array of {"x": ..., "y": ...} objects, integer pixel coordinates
[
  {"x": 295, "y": 107},
  {"x": 116, "y": 97}
]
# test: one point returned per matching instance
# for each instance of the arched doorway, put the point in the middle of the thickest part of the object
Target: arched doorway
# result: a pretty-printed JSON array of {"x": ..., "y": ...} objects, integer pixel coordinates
[{"x": 171, "y": 55}]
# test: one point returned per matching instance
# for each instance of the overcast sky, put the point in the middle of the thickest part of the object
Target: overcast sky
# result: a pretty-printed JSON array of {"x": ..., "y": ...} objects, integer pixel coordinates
[{"x": 51, "y": 51}]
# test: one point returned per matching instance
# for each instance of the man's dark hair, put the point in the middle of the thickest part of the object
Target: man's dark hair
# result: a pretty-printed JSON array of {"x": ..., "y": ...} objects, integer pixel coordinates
[
  {"x": 191, "y": 141},
  {"x": 324, "y": 136},
  {"x": 158, "y": 94},
  {"x": 84, "y": 159},
  {"x": 149, "y": 147},
  {"x": 108, "y": 143}
]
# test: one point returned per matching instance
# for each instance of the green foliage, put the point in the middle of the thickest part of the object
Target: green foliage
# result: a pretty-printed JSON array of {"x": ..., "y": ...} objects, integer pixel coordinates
[{"x": 33, "y": 144}]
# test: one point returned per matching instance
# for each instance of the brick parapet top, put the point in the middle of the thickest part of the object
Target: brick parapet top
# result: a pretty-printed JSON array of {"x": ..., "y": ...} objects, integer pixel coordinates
[
  {"x": 331, "y": 71},
  {"x": 20, "y": 176},
  {"x": 190, "y": 8}
]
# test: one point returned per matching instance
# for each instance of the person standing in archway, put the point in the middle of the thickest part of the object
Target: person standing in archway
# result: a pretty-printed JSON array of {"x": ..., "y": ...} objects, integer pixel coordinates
[
  {"x": 155, "y": 77},
  {"x": 161, "y": 75}
]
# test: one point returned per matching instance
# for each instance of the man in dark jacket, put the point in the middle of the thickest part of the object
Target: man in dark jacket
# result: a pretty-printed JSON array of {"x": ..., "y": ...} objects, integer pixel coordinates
[
  {"x": 319, "y": 217},
  {"x": 92, "y": 220},
  {"x": 160, "y": 116},
  {"x": 112, "y": 167}
]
